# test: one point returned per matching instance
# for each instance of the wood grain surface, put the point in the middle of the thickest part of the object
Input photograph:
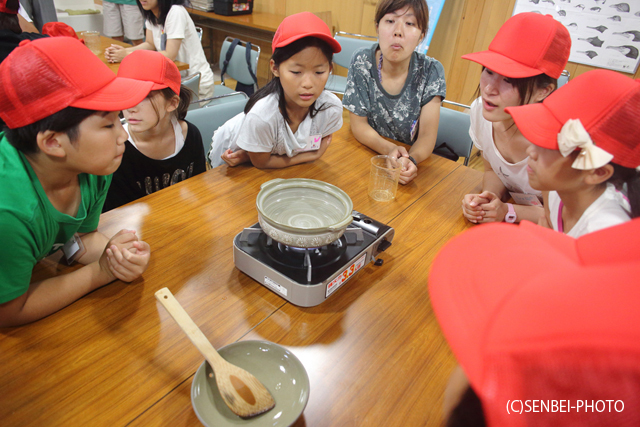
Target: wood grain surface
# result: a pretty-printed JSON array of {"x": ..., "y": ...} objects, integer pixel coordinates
[
  {"x": 373, "y": 350},
  {"x": 258, "y": 20}
]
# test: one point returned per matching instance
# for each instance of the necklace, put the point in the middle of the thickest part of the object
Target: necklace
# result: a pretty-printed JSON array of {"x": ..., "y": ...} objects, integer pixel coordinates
[{"x": 380, "y": 68}]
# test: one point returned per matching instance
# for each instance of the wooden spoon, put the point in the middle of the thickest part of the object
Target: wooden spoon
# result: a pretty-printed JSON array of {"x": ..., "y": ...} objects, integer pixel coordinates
[{"x": 241, "y": 391}]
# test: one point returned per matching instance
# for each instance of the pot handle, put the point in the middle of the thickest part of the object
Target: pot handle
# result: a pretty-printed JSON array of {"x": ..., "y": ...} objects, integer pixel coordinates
[
  {"x": 273, "y": 181},
  {"x": 341, "y": 225}
]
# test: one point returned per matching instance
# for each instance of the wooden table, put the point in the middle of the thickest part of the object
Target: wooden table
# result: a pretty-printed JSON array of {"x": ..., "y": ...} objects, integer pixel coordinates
[
  {"x": 257, "y": 28},
  {"x": 107, "y": 41},
  {"x": 261, "y": 23},
  {"x": 373, "y": 351}
]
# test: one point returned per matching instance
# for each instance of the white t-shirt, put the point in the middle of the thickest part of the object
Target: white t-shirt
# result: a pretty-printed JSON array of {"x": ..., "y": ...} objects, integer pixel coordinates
[
  {"x": 611, "y": 208},
  {"x": 264, "y": 130},
  {"x": 179, "y": 25},
  {"x": 513, "y": 175}
]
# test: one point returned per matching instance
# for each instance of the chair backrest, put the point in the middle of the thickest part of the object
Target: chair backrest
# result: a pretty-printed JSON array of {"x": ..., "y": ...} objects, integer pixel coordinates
[
  {"x": 193, "y": 83},
  {"x": 199, "y": 32},
  {"x": 213, "y": 115},
  {"x": 238, "y": 68},
  {"x": 564, "y": 78},
  {"x": 350, "y": 43},
  {"x": 453, "y": 130}
]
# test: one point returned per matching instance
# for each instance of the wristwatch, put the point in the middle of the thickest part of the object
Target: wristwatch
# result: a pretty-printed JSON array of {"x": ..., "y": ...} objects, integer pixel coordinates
[{"x": 511, "y": 215}]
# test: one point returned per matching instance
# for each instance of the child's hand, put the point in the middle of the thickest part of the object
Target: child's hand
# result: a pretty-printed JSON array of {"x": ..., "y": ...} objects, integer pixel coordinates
[
  {"x": 115, "y": 53},
  {"x": 495, "y": 210},
  {"x": 125, "y": 257},
  {"x": 324, "y": 144},
  {"x": 471, "y": 207},
  {"x": 128, "y": 265},
  {"x": 234, "y": 158},
  {"x": 310, "y": 156},
  {"x": 123, "y": 239}
]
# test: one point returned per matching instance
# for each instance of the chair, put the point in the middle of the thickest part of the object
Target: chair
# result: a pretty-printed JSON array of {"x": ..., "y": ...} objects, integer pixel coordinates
[
  {"x": 457, "y": 104},
  {"x": 350, "y": 43},
  {"x": 453, "y": 129},
  {"x": 213, "y": 115},
  {"x": 193, "y": 83},
  {"x": 199, "y": 32},
  {"x": 237, "y": 68},
  {"x": 564, "y": 78}
]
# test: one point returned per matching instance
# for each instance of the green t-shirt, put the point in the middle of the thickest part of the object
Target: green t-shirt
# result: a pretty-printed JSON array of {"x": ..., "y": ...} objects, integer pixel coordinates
[
  {"x": 130, "y": 2},
  {"x": 31, "y": 228}
]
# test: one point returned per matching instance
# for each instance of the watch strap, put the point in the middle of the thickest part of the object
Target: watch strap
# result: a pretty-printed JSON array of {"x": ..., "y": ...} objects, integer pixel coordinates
[{"x": 511, "y": 214}]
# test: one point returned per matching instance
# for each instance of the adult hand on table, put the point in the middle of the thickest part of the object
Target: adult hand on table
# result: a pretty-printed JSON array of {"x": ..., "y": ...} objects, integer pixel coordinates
[
  {"x": 495, "y": 210},
  {"x": 115, "y": 53},
  {"x": 409, "y": 170}
]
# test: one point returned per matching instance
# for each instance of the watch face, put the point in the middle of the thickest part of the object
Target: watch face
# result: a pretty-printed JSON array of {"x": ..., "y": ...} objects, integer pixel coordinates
[{"x": 511, "y": 215}]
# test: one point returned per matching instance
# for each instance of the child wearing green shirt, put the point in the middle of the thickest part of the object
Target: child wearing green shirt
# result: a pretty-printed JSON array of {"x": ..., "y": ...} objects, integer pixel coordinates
[{"x": 63, "y": 140}]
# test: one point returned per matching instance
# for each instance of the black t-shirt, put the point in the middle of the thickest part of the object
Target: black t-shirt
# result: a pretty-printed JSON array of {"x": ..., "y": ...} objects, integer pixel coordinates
[
  {"x": 10, "y": 40},
  {"x": 139, "y": 175}
]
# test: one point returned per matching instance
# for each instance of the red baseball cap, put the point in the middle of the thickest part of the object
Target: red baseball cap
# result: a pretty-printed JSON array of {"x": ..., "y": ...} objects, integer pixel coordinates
[
  {"x": 540, "y": 316},
  {"x": 151, "y": 66},
  {"x": 526, "y": 45},
  {"x": 44, "y": 76},
  {"x": 303, "y": 24},
  {"x": 607, "y": 104},
  {"x": 57, "y": 29},
  {"x": 9, "y": 6}
]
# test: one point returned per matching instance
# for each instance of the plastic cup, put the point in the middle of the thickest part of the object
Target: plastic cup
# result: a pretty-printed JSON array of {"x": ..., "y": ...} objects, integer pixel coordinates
[
  {"x": 92, "y": 41},
  {"x": 383, "y": 178}
]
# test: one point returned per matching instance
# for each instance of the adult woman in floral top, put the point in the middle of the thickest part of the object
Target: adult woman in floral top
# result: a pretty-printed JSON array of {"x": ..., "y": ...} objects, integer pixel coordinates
[{"x": 393, "y": 92}]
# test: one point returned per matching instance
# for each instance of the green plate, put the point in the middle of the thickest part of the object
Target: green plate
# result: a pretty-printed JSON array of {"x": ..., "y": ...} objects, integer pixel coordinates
[{"x": 277, "y": 368}]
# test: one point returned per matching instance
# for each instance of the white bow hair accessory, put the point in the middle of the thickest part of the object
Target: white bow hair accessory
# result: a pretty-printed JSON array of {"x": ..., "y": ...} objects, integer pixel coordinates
[{"x": 574, "y": 135}]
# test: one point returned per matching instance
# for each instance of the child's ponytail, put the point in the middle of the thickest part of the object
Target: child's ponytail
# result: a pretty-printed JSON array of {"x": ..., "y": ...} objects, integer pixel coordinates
[
  {"x": 185, "y": 100},
  {"x": 630, "y": 178}
]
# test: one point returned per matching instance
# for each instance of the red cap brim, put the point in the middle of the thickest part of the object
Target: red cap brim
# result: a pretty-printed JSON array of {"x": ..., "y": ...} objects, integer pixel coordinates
[
  {"x": 537, "y": 124},
  {"x": 160, "y": 86},
  {"x": 120, "y": 94},
  {"x": 333, "y": 43},
  {"x": 501, "y": 64}
]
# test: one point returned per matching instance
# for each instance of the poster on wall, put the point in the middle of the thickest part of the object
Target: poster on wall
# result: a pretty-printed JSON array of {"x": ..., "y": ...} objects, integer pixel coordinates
[
  {"x": 435, "y": 8},
  {"x": 604, "y": 33}
]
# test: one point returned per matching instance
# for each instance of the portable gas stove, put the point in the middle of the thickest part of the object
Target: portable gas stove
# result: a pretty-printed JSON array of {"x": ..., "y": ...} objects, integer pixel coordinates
[{"x": 308, "y": 276}]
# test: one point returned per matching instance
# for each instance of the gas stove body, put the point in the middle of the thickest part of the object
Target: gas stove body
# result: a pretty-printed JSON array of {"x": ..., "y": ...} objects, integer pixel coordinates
[{"x": 308, "y": 276}]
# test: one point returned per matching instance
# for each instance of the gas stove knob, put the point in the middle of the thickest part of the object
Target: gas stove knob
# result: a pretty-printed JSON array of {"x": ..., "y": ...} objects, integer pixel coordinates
[{"x": 384, "y": 245}]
